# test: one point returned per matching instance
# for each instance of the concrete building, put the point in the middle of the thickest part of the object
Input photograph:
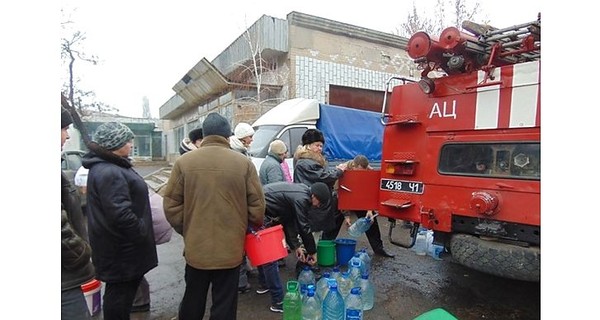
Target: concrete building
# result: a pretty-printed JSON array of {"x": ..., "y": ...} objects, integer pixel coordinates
[
  {"x": 147, "y": 143},
  {"x": 302, "y": 56}
]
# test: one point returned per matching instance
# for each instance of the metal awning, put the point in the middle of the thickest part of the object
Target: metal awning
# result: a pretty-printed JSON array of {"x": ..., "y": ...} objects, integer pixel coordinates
[{"x": 197, "y": 86}]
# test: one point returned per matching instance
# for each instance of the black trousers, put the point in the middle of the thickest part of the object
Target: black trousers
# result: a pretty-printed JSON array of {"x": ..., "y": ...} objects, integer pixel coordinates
[
  {"x": 224, "y": 291},
  {"x": 118, "y": 298}
]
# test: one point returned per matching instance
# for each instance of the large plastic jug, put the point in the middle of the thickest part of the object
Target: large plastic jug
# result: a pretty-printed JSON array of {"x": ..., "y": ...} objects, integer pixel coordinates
[
  {"x": 360, "y": 226},
  {"x": 311, "y": 305},
  {"x": 292, "y": 301},
  {"x": 305, "y": 278},
  {"x": 333, "y": 306},
  {"x": 367, "y": 292},
  {"x": 354, "y": 305}
]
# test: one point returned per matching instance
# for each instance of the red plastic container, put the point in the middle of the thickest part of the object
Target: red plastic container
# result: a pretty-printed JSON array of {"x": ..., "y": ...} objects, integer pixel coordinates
[{"x": 265, "y": 245}]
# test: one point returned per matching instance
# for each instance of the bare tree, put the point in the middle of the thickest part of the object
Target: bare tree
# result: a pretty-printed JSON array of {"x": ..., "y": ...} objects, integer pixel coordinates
[
  {"x": 462, "y": 12},
  {"x": 253, "y": 71},
  {"x": 64, "y": 102},
  {"x": 416, "y": 21},
  {"x": 71, "y": 45}
]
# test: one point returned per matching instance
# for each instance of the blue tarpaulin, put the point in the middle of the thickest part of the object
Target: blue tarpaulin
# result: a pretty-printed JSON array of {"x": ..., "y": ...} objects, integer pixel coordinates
[{"x": 349, "y": 132}]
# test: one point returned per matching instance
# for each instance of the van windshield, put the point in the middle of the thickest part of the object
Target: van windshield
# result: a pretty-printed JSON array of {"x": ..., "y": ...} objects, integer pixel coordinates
[{"x": 263, "y": 136}]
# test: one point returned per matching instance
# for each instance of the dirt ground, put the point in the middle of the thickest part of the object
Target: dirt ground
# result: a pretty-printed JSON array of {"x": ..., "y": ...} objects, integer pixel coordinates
[{"x": 405, "y": 287}]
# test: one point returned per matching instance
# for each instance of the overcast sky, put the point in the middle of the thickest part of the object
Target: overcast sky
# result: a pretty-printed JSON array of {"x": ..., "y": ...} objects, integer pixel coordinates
[{"x": 146, "y": 47}]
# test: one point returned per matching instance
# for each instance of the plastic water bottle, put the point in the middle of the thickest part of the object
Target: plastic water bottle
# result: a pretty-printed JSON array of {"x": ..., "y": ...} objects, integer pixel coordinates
[
  {"x": 366, "y": 259},
  {"x": 308, "y": 288},
  {"x": 354, "y": 305},
  {"x": 292, "y": 301},
  {"x": 355, "y": 271},
  {"x": 433, "y": 250},
  {"x": 420, "y": 246},
  {"x": 322, "y": 286},
  {"x": 336, "y": 273},
  {"x": 344, "y": 284},
  {"x": 333, "y": 306},
  {"x": 359, "y": 227},
  {"x": 356, "y": 258},
  {"x": 305, "y": 278},
  {"x": 367, "y": 291},
  {"x": 311, "y": 305}
]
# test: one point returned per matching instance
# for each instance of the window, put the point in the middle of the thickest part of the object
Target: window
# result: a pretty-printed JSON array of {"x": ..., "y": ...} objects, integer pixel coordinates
[
  {"x": 179, "y": 135},
  {"x": 512, "y": 160},
  {"x": 263, "y": 136},
  {"x": 295, "y": 139},
  {"x": 142, "y": 146}
]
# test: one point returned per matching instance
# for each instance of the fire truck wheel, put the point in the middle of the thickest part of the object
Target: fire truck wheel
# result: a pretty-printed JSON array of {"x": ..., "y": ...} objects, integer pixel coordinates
[{"x": 497, "y": 258}]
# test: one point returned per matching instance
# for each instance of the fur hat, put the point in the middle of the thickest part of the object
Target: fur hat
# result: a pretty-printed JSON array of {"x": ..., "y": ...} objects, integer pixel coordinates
[
  {"x": 321, "y": 191},
  {"x": 243, "y": 130},
  {"x": 216, "y": 124},
  {"x": 65, "y": 118},
  {"x": 312, "y": 135},
  {"x": 113, "y": 135},
  {"x": 195, "y": 135},
  {"x": 278, "y": 147}
]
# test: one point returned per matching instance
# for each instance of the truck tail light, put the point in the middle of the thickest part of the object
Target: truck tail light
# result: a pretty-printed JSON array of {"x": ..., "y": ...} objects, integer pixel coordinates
[{"x": 400, "y": 168}]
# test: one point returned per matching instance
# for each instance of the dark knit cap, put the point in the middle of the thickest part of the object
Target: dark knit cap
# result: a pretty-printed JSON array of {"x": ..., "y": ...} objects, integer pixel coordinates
[
  {"x": 321, "y": 191},
  {"x": 113, "y": 135},
  {"x": 216, "y": 124},
  {"x": 195, "y": 135},
  {"x": 65, "y": 118},
  {"x": 312, "y": 135}
]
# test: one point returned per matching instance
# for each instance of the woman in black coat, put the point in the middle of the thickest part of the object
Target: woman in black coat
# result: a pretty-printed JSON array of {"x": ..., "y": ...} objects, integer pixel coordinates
[
  {"x": 119, "y": 219},
  {"x": 310, "y": 167}
]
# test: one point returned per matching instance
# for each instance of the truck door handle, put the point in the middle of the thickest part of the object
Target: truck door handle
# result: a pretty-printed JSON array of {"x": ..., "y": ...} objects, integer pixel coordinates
[
  {"x": 345, "y": 188},
  {"x": 504, "y": 185}
]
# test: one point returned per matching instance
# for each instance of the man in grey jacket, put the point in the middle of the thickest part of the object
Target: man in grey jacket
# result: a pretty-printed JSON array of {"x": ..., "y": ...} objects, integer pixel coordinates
[
  {"x": 76, "y": 266},
  {"x": 212, "y": 195}
]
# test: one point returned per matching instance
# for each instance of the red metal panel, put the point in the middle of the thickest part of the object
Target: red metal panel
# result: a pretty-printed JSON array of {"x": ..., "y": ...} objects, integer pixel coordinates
[{"x": 359, "y": 190}]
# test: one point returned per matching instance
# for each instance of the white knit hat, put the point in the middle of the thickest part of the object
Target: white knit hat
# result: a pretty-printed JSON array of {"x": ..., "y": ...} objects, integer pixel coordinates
[{"x": 243, "y": 130}]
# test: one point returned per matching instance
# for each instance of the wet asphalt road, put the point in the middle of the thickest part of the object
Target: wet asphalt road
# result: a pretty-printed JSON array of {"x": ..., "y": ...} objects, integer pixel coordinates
[{"x": 405, "y": 287}]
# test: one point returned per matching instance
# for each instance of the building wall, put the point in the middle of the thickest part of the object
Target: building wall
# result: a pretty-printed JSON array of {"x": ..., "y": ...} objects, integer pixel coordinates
[
  {"x": 321, "y": 53},
  {"x": 321, "y": 59}
]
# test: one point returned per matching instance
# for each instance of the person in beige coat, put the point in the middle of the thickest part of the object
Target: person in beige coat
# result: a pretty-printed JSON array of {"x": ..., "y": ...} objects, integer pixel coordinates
[{"x": 212, "y": 195}]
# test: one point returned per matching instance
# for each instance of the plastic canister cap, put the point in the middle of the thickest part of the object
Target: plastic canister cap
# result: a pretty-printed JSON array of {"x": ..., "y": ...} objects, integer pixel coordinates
[{"x": 91, "y": 285}]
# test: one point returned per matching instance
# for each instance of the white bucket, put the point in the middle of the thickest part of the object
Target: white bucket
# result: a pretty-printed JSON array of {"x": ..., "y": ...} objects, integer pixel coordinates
[{"x": 91, "y": 291}]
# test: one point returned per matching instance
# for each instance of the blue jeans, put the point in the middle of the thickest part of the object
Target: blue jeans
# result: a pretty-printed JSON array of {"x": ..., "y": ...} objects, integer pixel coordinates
[
  {"x": 268, "y": 277},
  {"x": 73, "y": 305},
  {"x": 243, "y": 279}
]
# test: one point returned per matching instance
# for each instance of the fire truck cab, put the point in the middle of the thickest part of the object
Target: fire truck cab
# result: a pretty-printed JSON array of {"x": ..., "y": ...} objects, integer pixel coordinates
[{"x": 461, "y": 149}]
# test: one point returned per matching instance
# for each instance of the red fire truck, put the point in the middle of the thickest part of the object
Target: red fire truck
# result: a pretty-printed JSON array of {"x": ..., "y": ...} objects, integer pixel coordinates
[{"x": 461, "y": 149}]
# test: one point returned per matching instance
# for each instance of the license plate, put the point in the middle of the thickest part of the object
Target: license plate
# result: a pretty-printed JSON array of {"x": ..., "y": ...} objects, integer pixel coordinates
[{"x": 402, "y": 186}]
